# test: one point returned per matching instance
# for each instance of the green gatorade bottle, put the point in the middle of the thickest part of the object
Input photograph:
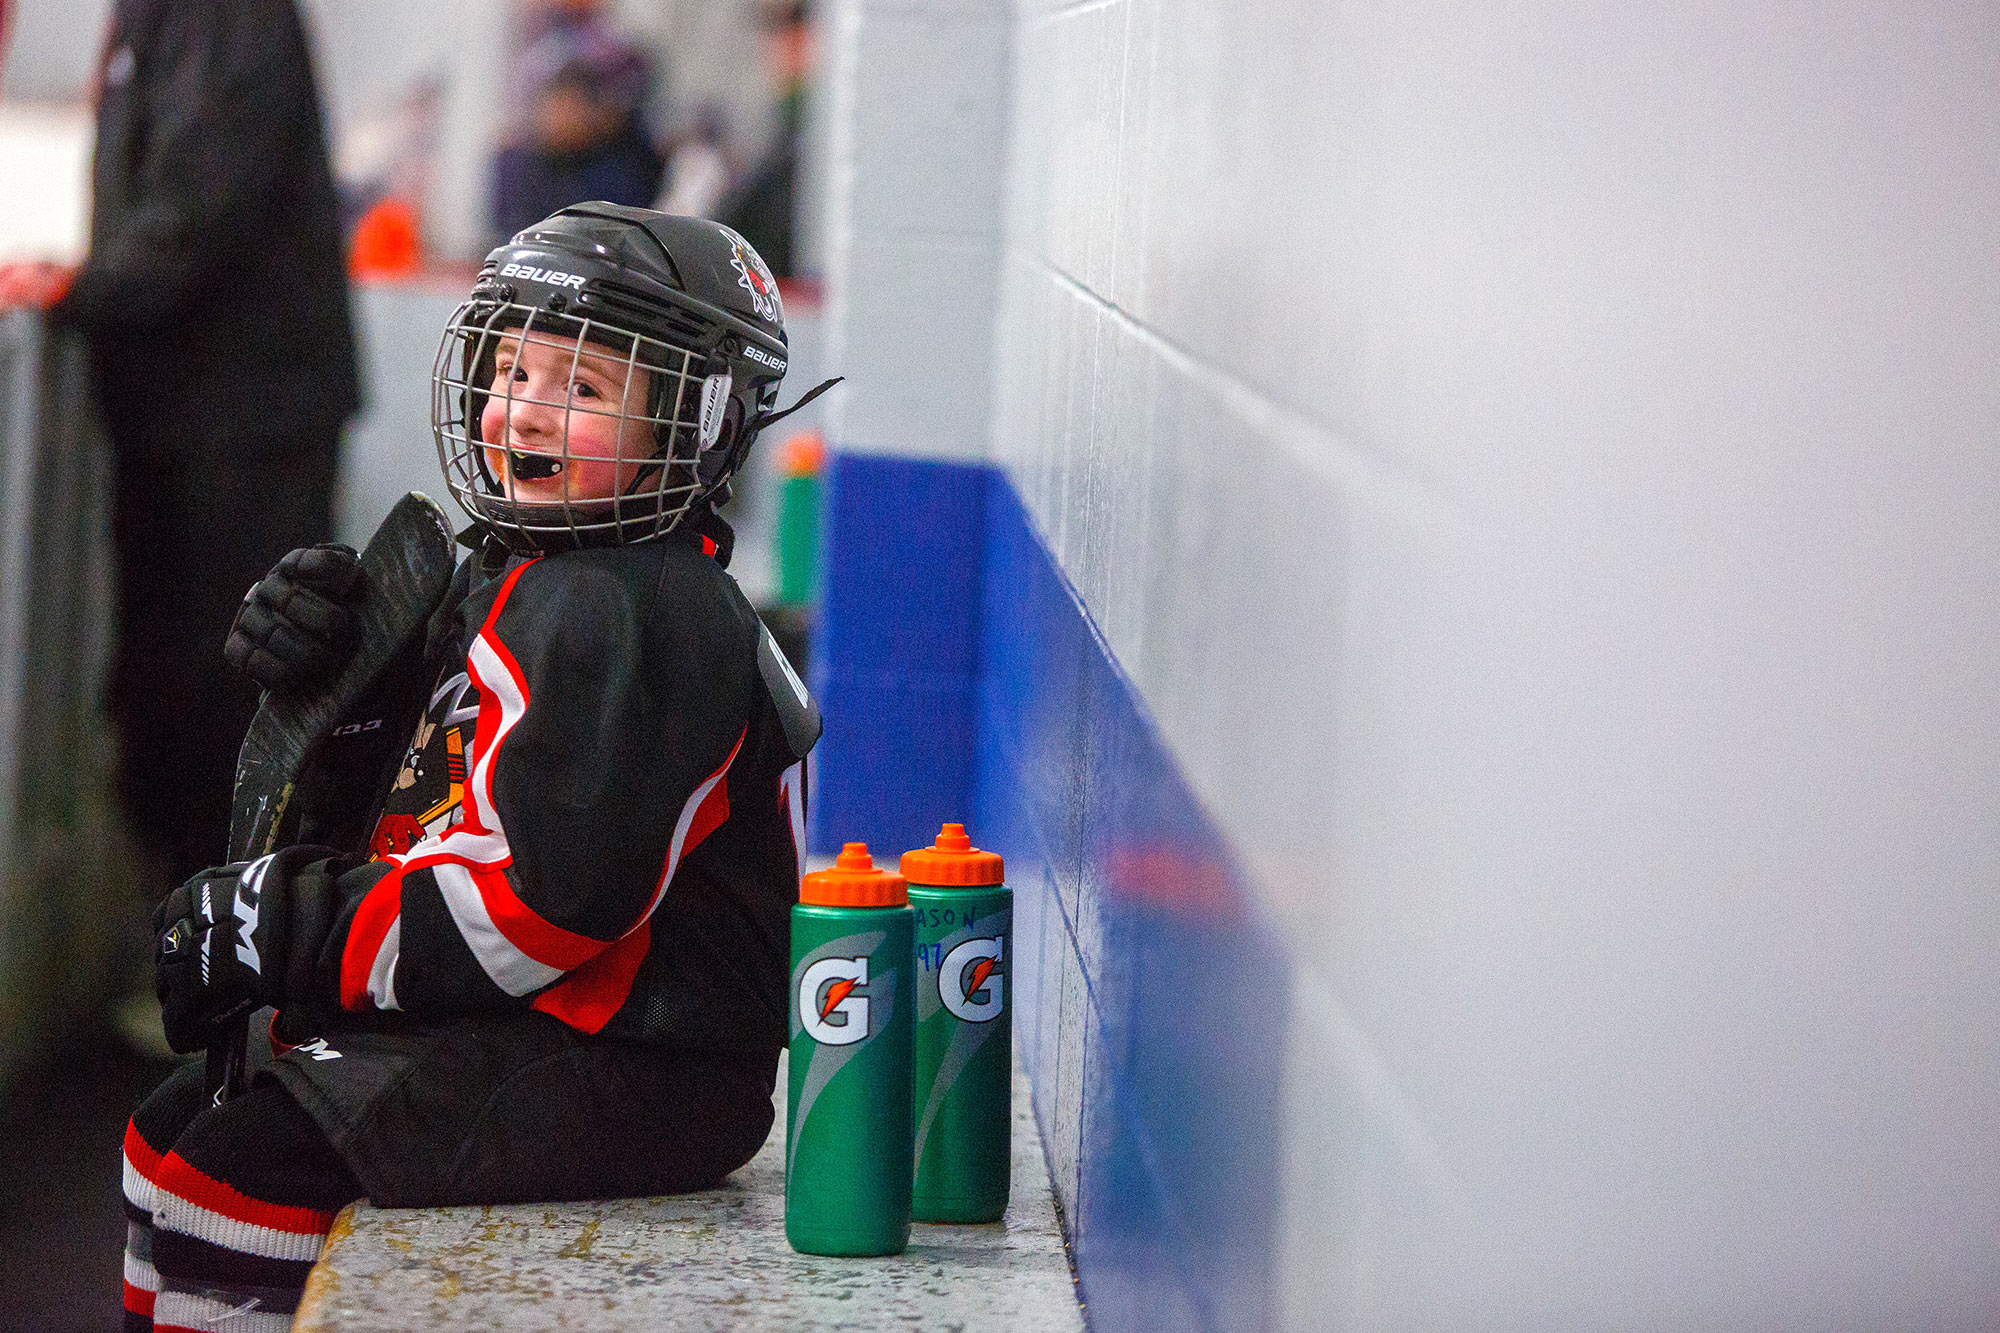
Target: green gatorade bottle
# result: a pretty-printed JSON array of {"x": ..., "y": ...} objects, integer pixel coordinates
[
  {"x": 965, "y": 1044},
  {"x": 847, "y": 1117},
  {"x": 803, "y": 462}
]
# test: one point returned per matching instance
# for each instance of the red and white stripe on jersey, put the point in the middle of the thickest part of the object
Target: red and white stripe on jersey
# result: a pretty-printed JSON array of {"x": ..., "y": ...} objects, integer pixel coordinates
[
  {"x": 590, "y": 995},
  {"x": 476, "y": 842},
  {"x": 374, "y": 942},
  {"x": 516, "y": 948},
  {"x": 201, "y": 1206},
  {"x": 792, "y": 795},
  {"x": 702, "y": 815},
  {"x": 519, "y": 950}
]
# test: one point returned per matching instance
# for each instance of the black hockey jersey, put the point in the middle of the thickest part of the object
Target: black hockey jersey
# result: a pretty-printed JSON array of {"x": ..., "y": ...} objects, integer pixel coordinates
[{"x": 600, "y": 815}]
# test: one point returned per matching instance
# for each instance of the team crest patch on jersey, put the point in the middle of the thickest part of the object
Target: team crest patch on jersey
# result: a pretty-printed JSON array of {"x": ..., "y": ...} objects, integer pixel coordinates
[
  {"x": 429, "y": 789},
  {"x": 754, "y": 278}
]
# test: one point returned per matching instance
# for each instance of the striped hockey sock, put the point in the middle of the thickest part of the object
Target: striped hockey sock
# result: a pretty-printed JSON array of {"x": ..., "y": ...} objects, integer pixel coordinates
[
  {"x": 221, "y": 1251},
  {"x": 226, "y": 1221},
  {"x": 142, "y": 1284},
  {"x": 142, "y": 1280}
]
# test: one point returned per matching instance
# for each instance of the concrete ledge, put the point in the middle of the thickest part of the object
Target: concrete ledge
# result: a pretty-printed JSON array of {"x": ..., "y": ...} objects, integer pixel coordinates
[{"x": 694, "y": 1261}]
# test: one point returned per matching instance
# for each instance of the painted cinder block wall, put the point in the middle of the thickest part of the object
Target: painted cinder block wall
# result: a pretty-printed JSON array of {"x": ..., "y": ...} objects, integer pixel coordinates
[{"x": 1485, "y": 667}]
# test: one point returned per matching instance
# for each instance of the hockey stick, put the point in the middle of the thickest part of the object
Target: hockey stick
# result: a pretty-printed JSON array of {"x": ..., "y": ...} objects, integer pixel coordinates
[{"x": 405, "y": 570}]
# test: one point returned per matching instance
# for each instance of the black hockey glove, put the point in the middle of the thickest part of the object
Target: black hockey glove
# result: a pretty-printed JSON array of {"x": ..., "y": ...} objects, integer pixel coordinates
[
  {"x": 296, "y": 626},
  {"x": 239, "y": 936}
]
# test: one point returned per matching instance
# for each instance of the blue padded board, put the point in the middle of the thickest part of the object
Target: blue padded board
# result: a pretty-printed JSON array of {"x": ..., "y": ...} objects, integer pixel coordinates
[{"x": 896, "y": 651}]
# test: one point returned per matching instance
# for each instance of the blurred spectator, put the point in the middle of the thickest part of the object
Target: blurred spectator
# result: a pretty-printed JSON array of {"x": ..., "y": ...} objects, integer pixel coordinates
[
  {"x": 761, "y": 205},
  {"x": 388, "y": 153},
  {"x": 585, "y": 134},
  {"x": 560, "y": 32},
  {"x": 699, "y": 168},
  {"x": 215, "y": 309}
]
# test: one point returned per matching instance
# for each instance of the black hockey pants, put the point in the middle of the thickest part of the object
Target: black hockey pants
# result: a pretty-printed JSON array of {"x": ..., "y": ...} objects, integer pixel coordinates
[{"x": 230, "y": 1204}]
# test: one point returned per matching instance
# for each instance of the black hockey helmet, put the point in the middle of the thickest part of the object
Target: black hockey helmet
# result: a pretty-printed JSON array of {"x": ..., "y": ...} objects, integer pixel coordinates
[{"x": 684, "y": 300}]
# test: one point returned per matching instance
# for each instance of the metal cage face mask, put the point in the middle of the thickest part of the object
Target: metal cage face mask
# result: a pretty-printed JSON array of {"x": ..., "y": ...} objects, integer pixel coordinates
[{"x": 562, "y": 431}]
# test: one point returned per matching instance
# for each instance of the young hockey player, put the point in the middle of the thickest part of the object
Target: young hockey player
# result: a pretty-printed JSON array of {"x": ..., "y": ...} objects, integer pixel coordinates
[{"x": 544, "y": 956}]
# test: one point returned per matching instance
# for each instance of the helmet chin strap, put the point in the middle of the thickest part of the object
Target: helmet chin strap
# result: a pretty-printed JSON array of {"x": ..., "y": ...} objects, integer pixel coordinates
[{"x": 764, "y": 419}]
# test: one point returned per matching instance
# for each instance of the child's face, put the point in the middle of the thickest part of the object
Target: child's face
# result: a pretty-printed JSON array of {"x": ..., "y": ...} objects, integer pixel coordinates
[{"x": 594, "y": 396}]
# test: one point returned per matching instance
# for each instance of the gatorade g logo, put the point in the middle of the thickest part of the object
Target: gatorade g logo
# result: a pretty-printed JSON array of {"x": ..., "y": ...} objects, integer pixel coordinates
[
  {"x": 968, "y": 983},
  {"x": 841, "y": 1003},
  {"x": 829, "y": 1010}
]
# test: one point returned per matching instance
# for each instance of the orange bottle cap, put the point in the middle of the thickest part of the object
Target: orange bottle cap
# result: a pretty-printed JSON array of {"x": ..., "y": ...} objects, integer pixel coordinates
[
  {"x": 804, "y": 455},
  {"x": 952, "y": 861},
  {"x": 854, "y": 881}
]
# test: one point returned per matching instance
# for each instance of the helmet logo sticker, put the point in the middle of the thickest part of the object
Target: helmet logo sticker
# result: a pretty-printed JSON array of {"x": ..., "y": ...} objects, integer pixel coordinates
[
  {"x": 714, "y": 407},
  {"x": 754, "y": 278}
]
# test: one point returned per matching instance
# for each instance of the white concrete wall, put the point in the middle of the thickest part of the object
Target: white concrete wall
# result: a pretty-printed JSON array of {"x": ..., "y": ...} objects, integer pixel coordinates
[
  {"x": 1539, "y": 464},
  {"x": 915, "y": 115},
  {"x": 388, "y": 449},
  {"x": 52, "y": 48}
]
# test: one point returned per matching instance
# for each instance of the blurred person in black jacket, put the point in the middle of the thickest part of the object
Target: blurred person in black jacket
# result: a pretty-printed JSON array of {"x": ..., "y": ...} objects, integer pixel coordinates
[
  {"x": 761, "y": 205},
  {"x": 584, "y": 134},
  {"x": 213, "y": 300}
]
